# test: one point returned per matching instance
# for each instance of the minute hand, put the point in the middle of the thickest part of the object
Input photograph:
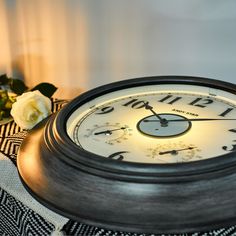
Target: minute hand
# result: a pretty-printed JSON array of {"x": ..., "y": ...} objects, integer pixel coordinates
[{"x": 192, "y": 119}]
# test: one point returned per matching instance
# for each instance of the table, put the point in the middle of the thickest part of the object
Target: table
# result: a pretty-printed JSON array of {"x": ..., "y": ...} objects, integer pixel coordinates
[{"x": 20, "y": 214}]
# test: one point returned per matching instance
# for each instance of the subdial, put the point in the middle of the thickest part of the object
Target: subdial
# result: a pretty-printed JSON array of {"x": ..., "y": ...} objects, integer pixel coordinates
[
  {"x": 174, "y": 153},
  {"x": 109, "y": 133},
  {"x": 164, "y": 125}
]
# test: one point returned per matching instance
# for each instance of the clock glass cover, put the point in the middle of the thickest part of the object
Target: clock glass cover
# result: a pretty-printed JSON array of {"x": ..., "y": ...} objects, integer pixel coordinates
[{"x": 158, "y": 123}]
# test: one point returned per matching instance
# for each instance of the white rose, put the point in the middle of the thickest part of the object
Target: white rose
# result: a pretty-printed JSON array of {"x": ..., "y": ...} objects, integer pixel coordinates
[{"x": 30, "y": 108}]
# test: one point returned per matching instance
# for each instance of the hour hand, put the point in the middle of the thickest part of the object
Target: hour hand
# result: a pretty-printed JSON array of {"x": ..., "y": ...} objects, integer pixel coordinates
[{"x": 163, "y": 122}]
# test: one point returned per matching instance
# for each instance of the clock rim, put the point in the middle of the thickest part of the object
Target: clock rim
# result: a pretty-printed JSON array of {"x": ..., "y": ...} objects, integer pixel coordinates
[{"x": 74, "y": 155}]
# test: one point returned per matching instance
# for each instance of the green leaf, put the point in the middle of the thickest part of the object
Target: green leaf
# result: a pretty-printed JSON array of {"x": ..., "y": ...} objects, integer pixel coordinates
[
  {"x": 3, "y": 98},
  {"x": 3, "y": 79},
  {"x": 6, "y": 113},
  {"x": 2, "y": 103},
  {"x": 46, "y": 89},
  {"x": 17, "y": 86}
]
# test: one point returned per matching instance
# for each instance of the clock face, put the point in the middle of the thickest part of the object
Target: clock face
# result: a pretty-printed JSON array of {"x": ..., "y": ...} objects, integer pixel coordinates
[{"x": 160, "y": 123}]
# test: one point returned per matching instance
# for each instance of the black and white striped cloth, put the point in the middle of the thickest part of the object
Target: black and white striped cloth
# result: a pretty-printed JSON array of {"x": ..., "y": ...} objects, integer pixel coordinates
[{"x": 18, "y": 220}]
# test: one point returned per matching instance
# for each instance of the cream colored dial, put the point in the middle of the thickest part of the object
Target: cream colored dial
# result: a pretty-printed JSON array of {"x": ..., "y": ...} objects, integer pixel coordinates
[{"x": 185, "y": 122}]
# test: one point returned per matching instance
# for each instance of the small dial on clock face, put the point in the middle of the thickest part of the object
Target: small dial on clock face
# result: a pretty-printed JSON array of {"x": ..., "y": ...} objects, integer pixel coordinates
[
  {"x": 108, "y": 133},
  {"x": 162, "y": 123},
  {"x": 174, "y": 153}
]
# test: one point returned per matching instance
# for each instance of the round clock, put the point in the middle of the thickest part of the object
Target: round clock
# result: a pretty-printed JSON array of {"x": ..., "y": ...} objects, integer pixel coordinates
[{"x": 153, "y": 155}]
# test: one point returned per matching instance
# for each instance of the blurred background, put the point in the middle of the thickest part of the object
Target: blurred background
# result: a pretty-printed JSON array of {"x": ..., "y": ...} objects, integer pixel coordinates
[{"x": 81, "y": 44}]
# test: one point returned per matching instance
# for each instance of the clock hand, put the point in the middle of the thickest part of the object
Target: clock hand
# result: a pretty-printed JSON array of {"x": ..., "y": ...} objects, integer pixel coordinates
[
  {"x": 175, "y": 151},
  {"x": 109, "y": 131},
  {"x": 193, "y": 119},
  {"x": 164, "y": 122}
]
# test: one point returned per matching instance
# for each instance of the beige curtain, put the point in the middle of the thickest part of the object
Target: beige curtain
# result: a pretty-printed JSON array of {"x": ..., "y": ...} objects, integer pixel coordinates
[
  {"x": 44, "y": 41},
  {"x": 81, "y": 44}
]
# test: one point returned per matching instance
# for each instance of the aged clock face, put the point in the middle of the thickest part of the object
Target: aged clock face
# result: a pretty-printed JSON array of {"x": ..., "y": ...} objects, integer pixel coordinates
[{"x": 158, "y": 123}]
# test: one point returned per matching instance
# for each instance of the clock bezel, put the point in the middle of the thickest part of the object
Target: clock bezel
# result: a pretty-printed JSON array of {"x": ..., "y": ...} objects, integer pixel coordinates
[{"x": 145, "y": 171}]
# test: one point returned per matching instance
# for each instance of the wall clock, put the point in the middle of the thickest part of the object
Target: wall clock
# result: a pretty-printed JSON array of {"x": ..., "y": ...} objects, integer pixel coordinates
[{"x": 153, "y": 155}]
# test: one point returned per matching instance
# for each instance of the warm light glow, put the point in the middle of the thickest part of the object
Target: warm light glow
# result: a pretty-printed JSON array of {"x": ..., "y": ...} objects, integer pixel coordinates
[
  {"x": 41, "y": 42},
  {"x": 5, "y": 58},
  {"x": 87, "y": 43}
]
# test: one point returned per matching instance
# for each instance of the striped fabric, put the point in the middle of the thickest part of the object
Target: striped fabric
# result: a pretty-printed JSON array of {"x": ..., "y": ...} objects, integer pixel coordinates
[{"x": 17, "y": 220}]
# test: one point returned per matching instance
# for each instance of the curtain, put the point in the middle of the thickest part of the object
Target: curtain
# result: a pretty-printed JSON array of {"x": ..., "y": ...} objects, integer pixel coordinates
[{"x": 81, "y": 44}]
